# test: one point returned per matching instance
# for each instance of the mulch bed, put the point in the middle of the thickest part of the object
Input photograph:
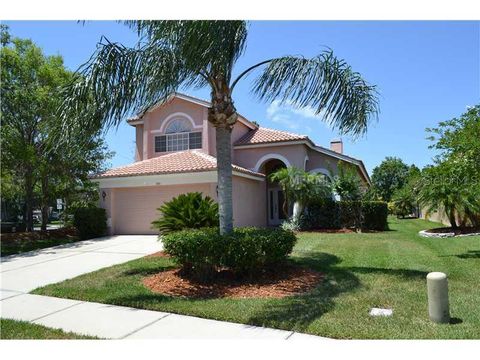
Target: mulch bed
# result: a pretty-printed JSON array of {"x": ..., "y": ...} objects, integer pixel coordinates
[
  {"x": 287, "y": 281},
  {"x": 158, "y": 254},
  {"x": 458, "y": 231},
  {"x": 30, "y": 237}
]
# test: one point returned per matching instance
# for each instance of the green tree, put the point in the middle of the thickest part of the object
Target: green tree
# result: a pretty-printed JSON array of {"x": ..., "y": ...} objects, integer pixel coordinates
[
  {"x": 347, "y": 183},
  {"x": 389, "y": 176},
  {"x": 453, "y": 183},
  {"x": 32, "y": 153},
  {"x": 170, "y": 55}
]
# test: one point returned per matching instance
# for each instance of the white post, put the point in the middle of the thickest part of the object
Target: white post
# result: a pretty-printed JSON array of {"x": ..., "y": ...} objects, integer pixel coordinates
[{"x": 437, "y": 288}]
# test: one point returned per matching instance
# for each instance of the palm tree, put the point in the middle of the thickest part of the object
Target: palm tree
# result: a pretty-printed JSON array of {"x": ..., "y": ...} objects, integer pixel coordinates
[
  {"x": 300, "y": 187},
  {"x": 171, "y": 55}
]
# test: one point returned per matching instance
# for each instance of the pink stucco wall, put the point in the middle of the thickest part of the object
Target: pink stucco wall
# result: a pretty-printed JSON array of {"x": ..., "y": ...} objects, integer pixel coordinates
[
  {"x": 154, "y": 120},
  {"x": 139, "y": 143},
  {"x": 133, "y": 209},
  {"x": 248, "y": 158},
  {"x": 249, "y": 202}
]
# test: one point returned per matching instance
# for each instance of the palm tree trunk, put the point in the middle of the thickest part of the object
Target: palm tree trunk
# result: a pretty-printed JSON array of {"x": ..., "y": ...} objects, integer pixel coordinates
[
  {"x": 452, "y": 219},
  {"x": 224, "y": 168}
]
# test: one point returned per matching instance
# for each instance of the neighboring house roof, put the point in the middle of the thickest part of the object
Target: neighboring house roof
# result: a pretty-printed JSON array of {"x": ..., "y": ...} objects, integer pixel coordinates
[
  {"x": 263, "y": 135},
  {"x": 178, "y": 162},
  {"x": 137, "y": 119}
]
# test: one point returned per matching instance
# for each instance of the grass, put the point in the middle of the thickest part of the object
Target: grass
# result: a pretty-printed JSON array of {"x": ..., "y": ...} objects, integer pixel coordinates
[
  {"x": 367, "y": 270},
  {"x": 11, "y": 248},
  {"x": 15, "y": 330}
]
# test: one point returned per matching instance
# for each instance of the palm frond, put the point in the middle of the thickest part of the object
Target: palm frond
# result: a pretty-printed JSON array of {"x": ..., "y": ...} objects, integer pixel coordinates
[
  {"x": 325, "y": 83},
  {"x": 208, "y": 46},
  {"x": 118, "y": 81}
]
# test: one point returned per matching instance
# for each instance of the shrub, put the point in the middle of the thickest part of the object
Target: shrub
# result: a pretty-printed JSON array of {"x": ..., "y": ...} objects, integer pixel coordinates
[
  {"x": 374, "y": 215},
  {"x": 252, "y": 249},
  {"x": 90, "y": 222},
  {"x": 187, "y": 211},
  {"x": 201, "y": 252},
  {"x": 323, "y": 214},
  {"x": 350, "y": 214},
  {"x": 330, "y": 214},
  {"x": 198, "y": 251}
]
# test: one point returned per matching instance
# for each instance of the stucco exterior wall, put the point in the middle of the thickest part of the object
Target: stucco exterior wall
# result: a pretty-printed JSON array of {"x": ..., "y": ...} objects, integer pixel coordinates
[
  {"x": 317, "y": 160},
  {"x": 249, "y": 202},
  {"x": 249, "y": 157},
  {"x": 154, "y": 120},
  {"x": 133, "y": 209},
  {"x": 139, "y": 143}
]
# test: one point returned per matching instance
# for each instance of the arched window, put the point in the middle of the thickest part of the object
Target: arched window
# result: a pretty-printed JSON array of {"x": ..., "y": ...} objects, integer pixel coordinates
[
  {"x": 178, "y": 126},
  {"x": 178, "y": 136}
]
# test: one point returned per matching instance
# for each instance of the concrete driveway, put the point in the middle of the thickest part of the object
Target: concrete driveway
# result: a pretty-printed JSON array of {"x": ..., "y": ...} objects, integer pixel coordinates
[{"x": 25, "y": 272}]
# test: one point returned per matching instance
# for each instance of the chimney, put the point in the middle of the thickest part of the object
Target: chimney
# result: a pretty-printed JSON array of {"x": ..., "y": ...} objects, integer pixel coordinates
[{"x": 336, "y": 145}]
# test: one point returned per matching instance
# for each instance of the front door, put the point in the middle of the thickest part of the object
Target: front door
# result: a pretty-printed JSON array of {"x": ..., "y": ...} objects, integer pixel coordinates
[{"x": 276, "y": 199}]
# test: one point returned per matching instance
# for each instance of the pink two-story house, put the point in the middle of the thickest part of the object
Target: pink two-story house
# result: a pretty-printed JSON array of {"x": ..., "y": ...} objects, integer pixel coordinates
[{"x": 175, "y": 154}]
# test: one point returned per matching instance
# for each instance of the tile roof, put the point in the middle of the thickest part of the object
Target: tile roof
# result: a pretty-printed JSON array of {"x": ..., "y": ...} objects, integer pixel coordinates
[
  {"x": 177, "y": 162},
  {"x": 265, "y": 135}
]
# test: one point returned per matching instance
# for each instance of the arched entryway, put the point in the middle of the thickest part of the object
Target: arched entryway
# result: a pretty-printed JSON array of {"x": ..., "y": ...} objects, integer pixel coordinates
[{"x": 278, "y": 210}]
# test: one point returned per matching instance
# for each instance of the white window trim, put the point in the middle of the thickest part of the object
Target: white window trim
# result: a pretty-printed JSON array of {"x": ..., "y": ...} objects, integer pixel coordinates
[
  {"x": 321, "y": 171},
  {"x": 176, "y": 115},
  {"x": 166, "y": 144},
  {"x": 272, "y": 156}
]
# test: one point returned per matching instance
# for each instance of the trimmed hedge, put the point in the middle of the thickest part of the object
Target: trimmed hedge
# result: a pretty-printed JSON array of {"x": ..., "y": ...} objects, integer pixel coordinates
[
  {"x": 90, "y": 222},
  {"x": 201, "y": 252},
  {"x": 374, "y": 215},
  {"x": 331, "y": 214}
]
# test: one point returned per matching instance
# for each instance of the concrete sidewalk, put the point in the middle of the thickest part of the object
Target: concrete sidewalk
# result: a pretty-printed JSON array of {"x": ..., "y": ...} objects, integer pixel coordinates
[
  {"x": 118, "y": 322},
  {"x": 25, "y": 272}
]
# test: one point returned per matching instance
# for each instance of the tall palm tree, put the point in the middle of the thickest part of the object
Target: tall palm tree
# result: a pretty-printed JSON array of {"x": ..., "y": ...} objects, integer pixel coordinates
[{"x": 171, "y": 55}]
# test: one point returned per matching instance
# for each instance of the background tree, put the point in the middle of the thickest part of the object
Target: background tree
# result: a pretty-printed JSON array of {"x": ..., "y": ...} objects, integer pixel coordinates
[
  {"x": 171, "y": 55},
  {"x": 453, "y": 183},
  {"x": 33, "y": 155},
  {"x": 389, "y": 176}
]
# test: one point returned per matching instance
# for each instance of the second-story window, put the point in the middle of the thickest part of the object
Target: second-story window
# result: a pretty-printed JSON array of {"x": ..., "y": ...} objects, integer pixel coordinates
[{"x": 178, "y": 136}]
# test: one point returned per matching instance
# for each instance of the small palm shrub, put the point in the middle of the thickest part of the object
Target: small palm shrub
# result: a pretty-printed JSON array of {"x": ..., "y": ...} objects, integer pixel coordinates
[
  {"x": 187, "y": 211},
  {"x": 202, "y": 252}
]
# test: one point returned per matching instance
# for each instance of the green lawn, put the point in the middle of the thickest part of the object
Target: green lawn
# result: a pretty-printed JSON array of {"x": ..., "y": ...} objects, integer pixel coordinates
[
  {"x": 16, "y": 330},
  {"x": 362, "y": 271}
]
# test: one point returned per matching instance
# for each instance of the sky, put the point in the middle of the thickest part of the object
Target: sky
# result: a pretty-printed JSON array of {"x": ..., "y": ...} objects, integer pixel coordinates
[{"x": 425, "y": 72}]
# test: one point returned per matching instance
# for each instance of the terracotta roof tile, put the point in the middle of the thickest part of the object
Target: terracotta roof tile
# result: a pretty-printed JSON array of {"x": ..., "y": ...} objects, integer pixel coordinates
[
  {"x": 265, "y": 135},
  {"x": 177, "y": 162}
]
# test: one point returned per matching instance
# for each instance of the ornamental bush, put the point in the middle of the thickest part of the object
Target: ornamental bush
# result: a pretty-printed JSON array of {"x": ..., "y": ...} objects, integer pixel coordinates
[
  {"x": 187, "y": 211},
  {"x": 90, "y": 222},
  {"x": 202, "y": 252}
]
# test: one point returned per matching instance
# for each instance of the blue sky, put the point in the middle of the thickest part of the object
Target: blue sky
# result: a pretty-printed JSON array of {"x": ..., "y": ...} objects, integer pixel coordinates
[{"x": 425, "y": 72}]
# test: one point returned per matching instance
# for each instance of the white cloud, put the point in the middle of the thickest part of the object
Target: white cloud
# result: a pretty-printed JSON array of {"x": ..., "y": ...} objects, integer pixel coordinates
[{"x": 292, "y": 117}]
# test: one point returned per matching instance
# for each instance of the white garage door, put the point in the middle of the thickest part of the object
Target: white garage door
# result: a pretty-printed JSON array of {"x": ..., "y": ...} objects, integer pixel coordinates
[{"x": 134, "y": 209}]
